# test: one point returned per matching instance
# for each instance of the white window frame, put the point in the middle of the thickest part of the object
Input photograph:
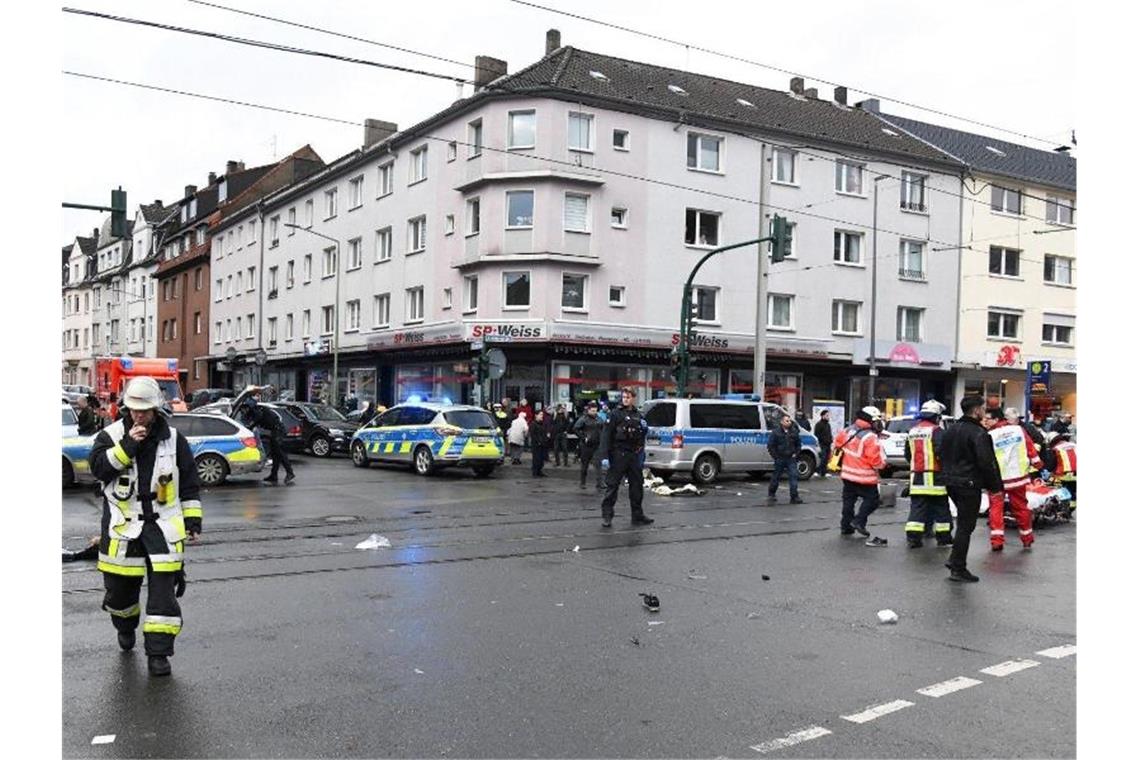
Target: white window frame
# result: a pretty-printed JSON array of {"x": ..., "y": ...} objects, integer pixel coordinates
[
  {"x": 841, "y": 178},
  {"x": 218, "y": 332},
  {"x": 352, "y": 315},
  {"x": 414, "y": 297},
  {"x": 1002, "y": 208},
  {"x": 288, "y": 327},
  {"x": 904, "y": 251},
  {"x": 770, "y": 325},
  {"x": 307, "y": 269},
  {"x": 381, "y": 305},
  {"x": 292, "y": 217},
  {"x": 417, "y": 233},
  {"x": 697, "y": 228},
  {"x": 1003, "y": 314},
  {"x": 355, "y": 254},
  {"x": 585, "y": 217},
  {"x": 274, "y": 223},
  {"x": 1005, "y": 251},
  {"x": 252, "y": 272},
  {"x": 470, "y": 285},
  {"x": 530, "y": 290},
  {"x": 795, "y": 156},
  {"x": 356, "y": 192},
  {"x": 473, "y": 222},
  {"x": 721, "y": 144},
  {"x": 329, "y": 261},
  {"x": 510, "y": 129},
  {"x": 908, "y": 180},
  {"x": 306, "y": 323},
  {"x": 845, "y": 235},
  {"x": 272, "y": 284},
  {"x": 1069, "y": 261},
  {"x": 330, "y": 203},
  {"x": 383, "y": 250},
  {"x": 507, "y": 206},
  {"x": 624, "y": 146},
  {"x": 290, "y": 273},
  {"x": 1053, "y": 206},
  {"x": 328, "y": 319},
  {"x": 1054, "y": 341},
  {"x": 384, "y": 178},
  {"x": 250, "y": 320},
  {"x": 900, "y": 324},
  {"x": 417, "y": 165},
  {"x": 271, "y": 331},
  {"x": 697, "y": 320},
  {"x": 585, "y": 307},
  {"x": 570, "y": 120},
  {"x": 452, "y": 151},
  {"x": 837, "y": 308},
  {"x": 620, "y": 303},
  {"x": 309, "y": 213},
  {"x": 474, "y": 138},
  {"x": 446, "y": 301},
  {"x": 623, "y": 214},
  {"x": 449, "y": 224}
]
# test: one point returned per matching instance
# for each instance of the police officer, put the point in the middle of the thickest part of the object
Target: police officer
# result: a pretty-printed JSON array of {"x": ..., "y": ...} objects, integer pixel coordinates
[
  {"x": 623, "y": 440},
  {"x": 589, "y": 428},
  {"x": 272, "y": 432},
  {"x": 928, "y": 500},
  {"x": 150, "y": 506}
]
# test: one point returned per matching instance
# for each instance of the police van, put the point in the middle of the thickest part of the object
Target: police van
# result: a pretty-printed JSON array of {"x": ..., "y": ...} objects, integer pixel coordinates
[
  {"x": 429, "y": 435},
  {"x": 706, "y": 437}
]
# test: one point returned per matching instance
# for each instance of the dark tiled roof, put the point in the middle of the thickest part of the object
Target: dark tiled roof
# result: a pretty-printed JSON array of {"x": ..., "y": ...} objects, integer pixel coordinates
[
  {"x": 1046, "y": 167},
  {"x": 87, "y": 244},
  {"x": 153, "y": 213}
]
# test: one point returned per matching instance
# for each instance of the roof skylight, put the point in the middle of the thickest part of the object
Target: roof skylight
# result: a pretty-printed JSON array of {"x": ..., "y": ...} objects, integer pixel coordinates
[
  {"x": 599, "y": 75},
  {"x": 744, "y": 102},
  {"x": 678, "y": 90}
]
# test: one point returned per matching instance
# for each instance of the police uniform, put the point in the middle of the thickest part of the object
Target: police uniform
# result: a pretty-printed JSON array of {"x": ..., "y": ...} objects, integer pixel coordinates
[
  {"x": 623, "y": 439},
  {"x": 929, "y": 502}
]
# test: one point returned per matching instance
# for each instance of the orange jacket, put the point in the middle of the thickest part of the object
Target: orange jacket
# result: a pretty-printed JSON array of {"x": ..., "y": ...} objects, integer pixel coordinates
[{"x": 862, "y": 454}]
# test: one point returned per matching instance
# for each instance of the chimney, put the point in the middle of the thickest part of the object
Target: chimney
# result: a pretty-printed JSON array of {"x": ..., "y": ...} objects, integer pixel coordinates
[
  {"x": 376, "y": 131},
  {"x": 870, "y": 105},
  {"x": 211, "y": 179},
  {"x": 812, "y": 93},
  {"x": 487, "y": 70},
  {"x": 553, "y": 40},
  {"x": 235, "y": 166},
  {"x": 158, "y": 202},
  {"x": 190, "y": 190},
  {"x": 841, "y": 95},
  {"x": 797, "y": 85}
]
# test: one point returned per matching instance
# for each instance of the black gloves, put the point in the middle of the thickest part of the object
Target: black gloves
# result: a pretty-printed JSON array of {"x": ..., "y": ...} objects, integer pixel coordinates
[
  {"x": 193, "y": 524},
  {"x": 129, "y": 445},
  {"x": 180, "y": 583}
]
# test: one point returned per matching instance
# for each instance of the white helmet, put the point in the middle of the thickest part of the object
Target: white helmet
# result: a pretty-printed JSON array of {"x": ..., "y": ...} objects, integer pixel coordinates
[
  {"x": 932, "y": 407},
  {"x": 872, "y": 412},
  {"x": 143, "y": 393},
  {"x": 1011, "y": 414}
]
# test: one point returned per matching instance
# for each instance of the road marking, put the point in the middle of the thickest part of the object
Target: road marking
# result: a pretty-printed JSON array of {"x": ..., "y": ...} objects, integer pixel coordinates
[
  {"x": 1003, "y": 669},
  {"x": 104, "y": 739},
  {"x": 791, "y": 739},
  {"x": 1057, "y": 653},
  {"x": 949, "y": 687},
  {"x": 878, "y": 711}
]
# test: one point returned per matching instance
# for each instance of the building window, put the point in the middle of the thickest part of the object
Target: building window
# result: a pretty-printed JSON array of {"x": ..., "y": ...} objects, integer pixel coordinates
[
  {"x": 289, "y": 271},
  {"x": 1058, "y": 269},
  {"x": 414, "y": 299},
  {"x": 516, "y": 290},
  {"x": 417, "y": 234},
  {"x": 328, "y": 320},
  {"x": 249, "y": 320},
  {"x": 520, "y": 208},
  {"x": 197, "y": 323},
  {"x": 237, "y": 288},
  {"x": 330, "y": 203},
  {"x": 197, "y": 280},
  {"x": 229, "y": 286},
  {"x": 446, "y": 298},
  {"x": 230, "y": 330},
  {"x": 384, "y": 179},
  {"x": 705, "y": 300},
  {"x": 1004, "y": 325},
  {"x": 845, "y": 317},
  {"x": 912, "y": 260},
  {"x": 1005, "y": 262},
  {"x": 702, "y": 228},
  {"x": 352, "y": 315},
  {"x": 355, "y": 254},
  {"x": 704, "y": 152},
  {"x": 384, "y": 244},
  {"x": 306, "y": 323},
  {"x": 288, "y": 327},
  {"x": 380, "y": 314},
  {"x": 272, "y": 282},
  {"x": 520, "y": 129},
  {"x": 273, "y": 224},
  {"x": 328, "y": 262},
  {"x": 449, "y": 224},
  {"x": 780, "y": 311},
  {"x": 912, "y": 192},
  {"x": 252, "y": 272},
  {"x": 271, "y": 331},
  {"x": 355, "y": 193},
  {"x": 784, "y": 166},
  {"x": 418, "y": 167},
  {"x": 617, "y": 295},
  {"x": 909, "y": 324},
  {"x": 474, "y": 138},
  {"x": 292, "y": 221},
  {"x": 1061, "y": 335},
  {"x": 307, "y": 268},
  {"x": 470, "y": 294},
  {"x": 452, "y": 151},
  {"x": 217, "y": 332},
  {"x": 309, "y": 213},
  {"x": 621, "y": 139},
  {"x": 252, "y": 232},
  {"x": 848, "y": 247},
  {"x": 848, "y": 178},
  {"x": 579, "y": 132},
  {"x": 472, "y": 216},
  {"x": 619, "y": 218},
  {"x": 1004, "y": 200},
  {"x": 1058, "y": 210},
  {"x": 574, "y": 291},
  {"x": 576, "y": 213}
]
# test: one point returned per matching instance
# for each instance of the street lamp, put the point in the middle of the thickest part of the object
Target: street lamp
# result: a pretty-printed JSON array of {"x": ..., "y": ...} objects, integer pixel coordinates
[
  {"x": 336, "y": 306},
  {"x": 873, "y": 372}
]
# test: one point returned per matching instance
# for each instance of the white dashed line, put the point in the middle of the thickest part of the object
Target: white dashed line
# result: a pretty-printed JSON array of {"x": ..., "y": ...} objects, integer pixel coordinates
[
  {"x": 1003, "y": 669},
  {"x": 948, "y": 687},
  {"x": 791, "y": 739},
  {"x": 104, "y": 739},
  {"x": 1057, "y": 653},
  {"x": 878, "y": 711}
]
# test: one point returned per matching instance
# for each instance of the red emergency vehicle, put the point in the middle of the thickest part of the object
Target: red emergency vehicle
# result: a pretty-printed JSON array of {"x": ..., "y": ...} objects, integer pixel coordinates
[{"x": 112, "y": 373}]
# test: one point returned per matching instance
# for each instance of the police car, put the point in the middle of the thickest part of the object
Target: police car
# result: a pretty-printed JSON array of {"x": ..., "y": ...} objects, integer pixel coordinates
[
  {"x": 706, "y": 437},
  {"x": 429, "y": 435}
]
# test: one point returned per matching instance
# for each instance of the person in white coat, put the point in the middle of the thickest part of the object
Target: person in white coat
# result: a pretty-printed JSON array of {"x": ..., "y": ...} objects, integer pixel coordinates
[{"x": 516, "y": 436}]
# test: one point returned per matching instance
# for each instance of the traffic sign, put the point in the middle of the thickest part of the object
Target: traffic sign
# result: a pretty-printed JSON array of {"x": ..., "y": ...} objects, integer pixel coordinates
[
  {"x": 477, "y": 345},
  {"x": 497, "y": 363}
]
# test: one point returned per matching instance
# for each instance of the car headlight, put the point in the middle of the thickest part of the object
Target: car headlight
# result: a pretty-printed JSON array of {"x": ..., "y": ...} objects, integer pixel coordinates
[{"x": 336, "y": 431}]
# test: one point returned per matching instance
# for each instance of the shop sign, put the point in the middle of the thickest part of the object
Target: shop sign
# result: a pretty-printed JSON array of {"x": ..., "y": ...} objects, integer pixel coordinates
[
  {"x": 901, "y": 354},
  {"x": 1008, "y": 356},
  {"x": 569, "y": 332},
  {"x": 413, "y": 338},
  {"x": 1037, "y": 376},
  {"x": 504, "y": 332}
]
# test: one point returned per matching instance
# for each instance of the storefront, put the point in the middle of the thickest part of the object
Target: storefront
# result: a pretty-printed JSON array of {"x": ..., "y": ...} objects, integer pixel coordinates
[
  {"x": 1004, "y": 386},
  {"x": 908, "y": 374}
]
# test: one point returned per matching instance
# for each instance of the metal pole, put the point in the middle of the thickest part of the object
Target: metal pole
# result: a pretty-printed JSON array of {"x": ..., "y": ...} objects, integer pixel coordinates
[
  {"x": 874, "y": 371},
  {"x": 336, "y": 325},
  {"x": 759, "y": 352}
]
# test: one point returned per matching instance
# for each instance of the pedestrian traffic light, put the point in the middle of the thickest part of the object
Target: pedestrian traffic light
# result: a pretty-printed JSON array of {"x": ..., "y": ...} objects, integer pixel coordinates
[
  {"x": 119, "y": 213},
  {"x": 781, "y": 238}
]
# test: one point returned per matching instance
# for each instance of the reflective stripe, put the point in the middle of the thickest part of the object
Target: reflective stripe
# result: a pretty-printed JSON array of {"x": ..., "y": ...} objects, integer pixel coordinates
[
  {"x": 446, "y": 444},
  {"x": 389, "y": 447},
  {"x": 941, "y": 527},
  {"x": 157, "y": 559},
  {"x": 375, "y": 447},
  {"x": 997, "y": 532},
  {"x": 1026, "y": 532},
  {"x": 191, "y": 508},
  {"x": 166, "y": 567},
  {"x": 129, "y": 612},
  {"x": 115, "y": 456},
  {"x": 115, "y": 569},
  {"x": 162, "y": 624},
  {"x": 914, "y": 526},
  {"x": 405, "y": 447},
  {"x": 113, "y": 547}
]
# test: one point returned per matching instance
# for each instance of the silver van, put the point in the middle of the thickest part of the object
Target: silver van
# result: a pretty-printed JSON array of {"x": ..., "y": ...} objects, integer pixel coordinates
[{"x": 705, "y": 437}]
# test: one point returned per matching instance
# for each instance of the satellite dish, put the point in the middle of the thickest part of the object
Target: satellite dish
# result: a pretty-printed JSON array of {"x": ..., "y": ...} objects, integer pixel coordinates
[{"x": 496, "y": 363}]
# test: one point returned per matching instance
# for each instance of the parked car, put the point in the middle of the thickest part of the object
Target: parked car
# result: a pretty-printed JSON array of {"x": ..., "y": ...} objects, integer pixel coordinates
[
  {"x": 894, "y": 437},
  {"x": 73, "y": 392},
  {"x": 324, "y": 429},
  {"x": 294, "y": 440},
  {"x": 706, "y": 437},
  {"x": 429, "y": 436},
  {"x": 204, "y": 396},
  {"x": 70, "y": 422},
  {"x": 221, "y": 447}
]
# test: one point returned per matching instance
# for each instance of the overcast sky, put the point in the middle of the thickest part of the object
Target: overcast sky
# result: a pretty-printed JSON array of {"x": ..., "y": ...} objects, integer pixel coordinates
[{"x": 997, "y": 62}]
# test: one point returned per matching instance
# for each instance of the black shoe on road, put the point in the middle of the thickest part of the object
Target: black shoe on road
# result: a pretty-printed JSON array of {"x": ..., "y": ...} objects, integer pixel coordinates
[
  {"x": 581, "y": 485},
  {"x": 643, "y": 520},
  {"x": 846, "y": 531},
  {"x": 607, "y": 522},
  {"x": 862, "y": 531},
  {"x": 876, "y": 541},
  {"x": 290, "y": 478},
  {"x": 797, "y": 500},
  {"x": 963, "y": 576},
  {"x": 158, "y": 665},
  {"x": 271, "y": 479},
  {"x": 771, "y": 498},
  {"x": 126, "y": 640}
]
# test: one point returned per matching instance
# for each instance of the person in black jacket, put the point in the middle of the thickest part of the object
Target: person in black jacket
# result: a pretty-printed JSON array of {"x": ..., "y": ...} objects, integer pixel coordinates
[
  {"x": 623, "y": 440},
  {"x": 561, "y": 428},
  {"x": 88, "y": 422},
  {"x": 266, "y": 420},
  {"x": 968, "y": 466},
  {"x": 589, "y": 428},
  {"x": 784, "y": 446},
  {"x": 823, "y": 433},
  {"x": 541, "y": 437}
]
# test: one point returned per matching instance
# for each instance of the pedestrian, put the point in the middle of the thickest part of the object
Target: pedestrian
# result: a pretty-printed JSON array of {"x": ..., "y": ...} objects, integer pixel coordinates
[
  {"x": 541, "y": 439},
  {"x": 929, "y": 503},
  {"x": 822, "y": 433},
  {"x": 784, "y": 447},
  {"x": 561, "y": 427},
  {"x": 368, "y": 413},
  {"x": 527, "y": 410},
  {"x": 1032, "y": 431},
  {"x": 802, "y": 420},
  {"x": 147, "y": 471},
  {"x": 516, "y": 436},
  {"x": 862, "y": 460},
  {"x": 623, "y": 440},
  {"x": 88, "y": 422},
  {"x": 589, "y": 428},
  {"x": 272, "y": 432},
  {"x": 968, "y": 467},
  {"x": 1017, "y": 457}
]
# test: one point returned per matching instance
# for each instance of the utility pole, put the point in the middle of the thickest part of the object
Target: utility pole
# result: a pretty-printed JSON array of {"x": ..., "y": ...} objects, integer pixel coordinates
[
  {"x": 336, "y": 308},
  {"x": 760, "y": 350},
  {"x": 873, "y": 371}
]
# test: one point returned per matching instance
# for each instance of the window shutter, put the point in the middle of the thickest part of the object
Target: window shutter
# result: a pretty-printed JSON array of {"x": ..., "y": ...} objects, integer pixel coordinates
[{"x": 575, "y": 215}]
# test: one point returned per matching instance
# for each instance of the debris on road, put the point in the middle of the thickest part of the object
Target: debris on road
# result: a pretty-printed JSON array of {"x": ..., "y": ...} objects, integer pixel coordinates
[
  {"x": 104, "y": 739},
  {"x": 695, "y": 577},
  {"x": 765, "y": 578},
  {"x": 754, "y": 615},
  {"x": 375, "y": 541},
  {"x": 738, "y": 493},
  {"x": 686, "y": 490},
  {"x": 559, "y": 604},
  {"x": 576, "y": 547},
  {"x": 636, "y": 641},
  {"x": 888, "y": 616},
  {"x": 419, "y": 672},
  {"x": 656, "y": 622},
  {"x": 652, "y": 603}
]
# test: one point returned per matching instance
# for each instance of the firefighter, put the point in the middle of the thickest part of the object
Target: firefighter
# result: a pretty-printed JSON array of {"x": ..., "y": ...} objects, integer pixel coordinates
[
  {"x": 928, "y": 500},
  {"x": 1066, "y": 470},
  {"x": 150, "y": 507},
  {"x": 862, "y": 460},
  {"x": 1017, "y": 457}
]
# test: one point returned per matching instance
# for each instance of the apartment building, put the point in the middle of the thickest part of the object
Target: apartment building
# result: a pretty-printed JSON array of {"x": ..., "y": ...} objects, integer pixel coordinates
[{"x": 78, "y": 268}]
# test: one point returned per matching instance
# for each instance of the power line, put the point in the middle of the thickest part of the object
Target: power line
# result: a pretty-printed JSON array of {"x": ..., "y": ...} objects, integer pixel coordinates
[{"x": 739, "y": 59}]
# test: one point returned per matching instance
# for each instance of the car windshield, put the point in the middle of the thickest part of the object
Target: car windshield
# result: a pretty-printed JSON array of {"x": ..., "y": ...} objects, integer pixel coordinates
[
  {"x": 170, "y": 390},
  {"x": 900, "y": 425},
  {"x": 69, "y": 417},
  {"x": 469, "y": 419},
  {"x": 324, "y": 413}
]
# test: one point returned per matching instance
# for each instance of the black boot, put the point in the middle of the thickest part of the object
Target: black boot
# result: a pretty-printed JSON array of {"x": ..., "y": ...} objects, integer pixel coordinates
[
  {"x": 158, "y": 665},
  {"x": 126, "y": 640}
]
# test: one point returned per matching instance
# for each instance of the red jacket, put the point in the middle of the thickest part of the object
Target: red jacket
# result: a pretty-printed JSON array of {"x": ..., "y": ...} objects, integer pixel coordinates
[{"x": 862, "y": 454}]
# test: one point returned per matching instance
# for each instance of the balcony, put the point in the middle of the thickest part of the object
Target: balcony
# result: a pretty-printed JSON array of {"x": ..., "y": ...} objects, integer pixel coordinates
[
  {"x": 912, "y": 274},
  {"x": 915, "y": 206}
]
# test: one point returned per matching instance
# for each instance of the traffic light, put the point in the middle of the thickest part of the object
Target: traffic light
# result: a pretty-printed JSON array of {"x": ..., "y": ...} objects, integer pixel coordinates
[
  {"x": 119, "y": 213},
  {"x": 781, "y": 238},
  {"x": 483, "y": 364}
]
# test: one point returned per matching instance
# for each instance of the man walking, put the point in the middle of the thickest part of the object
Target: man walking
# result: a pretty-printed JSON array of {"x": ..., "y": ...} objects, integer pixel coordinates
[
  {"x": 623, "y": 439},
  {"x": 1017, "y": 457},
  {"x": 823, "y": 433},
  {"x": 561, "y": 427},
  {"x": 541, "y": 438},
  {"x": 272, "y": 432},
  {"x": 968, "y": 466},
  {"x": 784, "y": 446},
  {"x": 862, "y": 460},
  {"x": 928, "y": 500},
  {"x": 150, "y": 506},
  {"x": 588, "y": 428}
]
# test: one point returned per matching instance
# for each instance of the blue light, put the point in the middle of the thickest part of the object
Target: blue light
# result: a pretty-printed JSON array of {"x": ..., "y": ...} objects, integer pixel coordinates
[
  {"x": 126, "y": 363},
  {"x": 912, "y": 410},
  {"x": 172, "y": 364},
  {"x": 446, "y": 400},
  {"x": 413, "y": 400}
]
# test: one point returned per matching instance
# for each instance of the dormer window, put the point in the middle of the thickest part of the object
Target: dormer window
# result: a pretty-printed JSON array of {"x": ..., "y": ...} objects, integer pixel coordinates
[{"x": 221, "y": 189}]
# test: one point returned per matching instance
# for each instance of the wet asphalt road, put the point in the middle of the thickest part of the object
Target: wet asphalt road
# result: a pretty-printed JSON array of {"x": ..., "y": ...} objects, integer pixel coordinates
[{"x": 482, "y": 633}]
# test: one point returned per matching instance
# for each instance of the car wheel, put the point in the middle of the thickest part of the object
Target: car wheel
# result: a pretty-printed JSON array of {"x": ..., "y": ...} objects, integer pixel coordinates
[
  {"x": 805, "y": 465},
  {"x": 483, "y": 470},
  {"x": 706, "y": 468},
  {"x": 320, "y": 446},
  {"x": 212, "y": 469},
  {"x": 422, "y": 461},
  {"x": 68, "y": 474},
  {"x": 359, "y": 454},
  {"x": 665, "y": 475}
]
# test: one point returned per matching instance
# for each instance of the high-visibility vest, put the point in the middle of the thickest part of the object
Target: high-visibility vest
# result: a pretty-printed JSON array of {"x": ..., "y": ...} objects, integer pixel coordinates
[
  {"x": 925, "y": 469},
  {"x": 1066, "y": 460},
  {"x": 862, "y": 456},
  {"x": 1016, "y": 454}
]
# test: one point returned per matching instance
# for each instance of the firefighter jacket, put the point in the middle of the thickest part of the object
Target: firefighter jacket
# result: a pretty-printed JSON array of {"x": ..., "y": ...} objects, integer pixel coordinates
[
  {"x": 153, "y": 480},
  {"x": 1066, "y": 460},
  {"x": 968, "y": 460},
  {"x": 924, "y": 451},
  {"x": 1016, "y": 454},
  {"x": 862, "y": 454}
]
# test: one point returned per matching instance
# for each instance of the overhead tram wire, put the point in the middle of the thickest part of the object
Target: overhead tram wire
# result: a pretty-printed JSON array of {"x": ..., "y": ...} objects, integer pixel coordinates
[
  {"x": 545, "y": 159},
  {"x": 740, "y": 59}
]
